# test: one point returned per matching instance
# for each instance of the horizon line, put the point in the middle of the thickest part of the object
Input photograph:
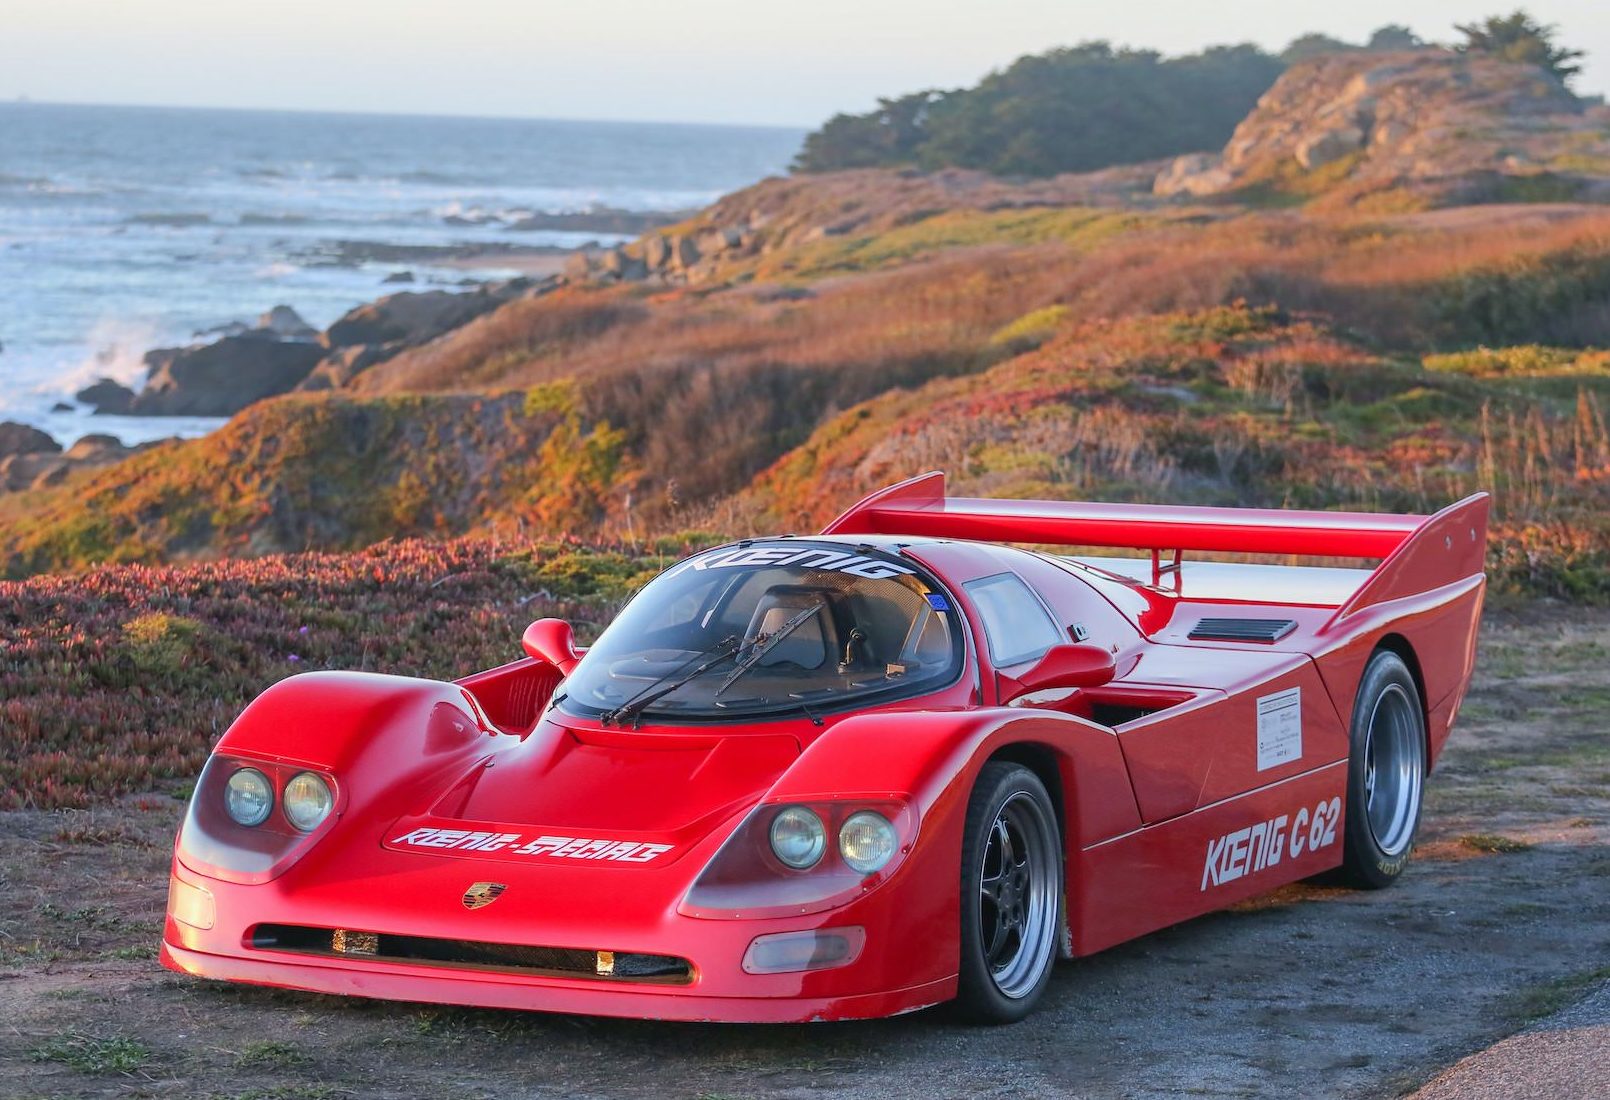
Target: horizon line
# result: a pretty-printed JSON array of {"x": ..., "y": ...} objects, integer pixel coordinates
[{"x": 24, "y": 100}]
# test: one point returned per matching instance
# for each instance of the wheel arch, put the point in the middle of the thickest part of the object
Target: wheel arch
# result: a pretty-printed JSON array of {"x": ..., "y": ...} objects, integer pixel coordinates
[
  {"x": 1048, "y": 764},
  {"x": 1399, "y": 645}
]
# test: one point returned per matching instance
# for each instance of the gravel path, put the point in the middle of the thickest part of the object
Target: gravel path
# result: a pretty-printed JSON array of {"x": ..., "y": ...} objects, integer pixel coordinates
[{"x": 1565, "y": 1057}]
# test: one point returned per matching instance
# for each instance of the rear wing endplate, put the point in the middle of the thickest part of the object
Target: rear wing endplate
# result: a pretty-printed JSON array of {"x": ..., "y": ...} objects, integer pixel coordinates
[{"x": 1417, "y": 553}]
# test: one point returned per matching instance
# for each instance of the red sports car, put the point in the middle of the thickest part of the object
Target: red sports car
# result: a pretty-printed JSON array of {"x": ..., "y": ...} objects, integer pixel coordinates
[{"x": 849, "y": 774}]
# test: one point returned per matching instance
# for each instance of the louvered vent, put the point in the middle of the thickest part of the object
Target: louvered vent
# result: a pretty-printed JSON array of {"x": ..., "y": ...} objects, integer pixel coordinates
[{"x": 1242, "y": 630}]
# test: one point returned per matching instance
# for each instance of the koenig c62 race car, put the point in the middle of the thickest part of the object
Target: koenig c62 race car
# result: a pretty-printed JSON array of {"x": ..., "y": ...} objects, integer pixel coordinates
[{"x": 851, "y": 774}]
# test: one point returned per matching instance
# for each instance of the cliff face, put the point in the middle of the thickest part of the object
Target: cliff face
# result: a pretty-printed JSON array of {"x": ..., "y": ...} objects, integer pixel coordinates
[{"x": 1425, "y": 127}]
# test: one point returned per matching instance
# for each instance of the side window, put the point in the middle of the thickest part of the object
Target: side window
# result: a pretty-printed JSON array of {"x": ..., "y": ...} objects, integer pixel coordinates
[{"x": 1016, "y": 623}]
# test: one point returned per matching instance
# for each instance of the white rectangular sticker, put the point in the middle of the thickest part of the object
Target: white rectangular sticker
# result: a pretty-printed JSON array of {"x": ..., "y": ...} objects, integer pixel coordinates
[{"x": 1280, "y": 728}]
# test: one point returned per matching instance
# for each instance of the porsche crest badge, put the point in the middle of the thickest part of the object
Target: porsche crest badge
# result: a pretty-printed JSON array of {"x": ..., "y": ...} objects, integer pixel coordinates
[{"x": 482, "y": 893}]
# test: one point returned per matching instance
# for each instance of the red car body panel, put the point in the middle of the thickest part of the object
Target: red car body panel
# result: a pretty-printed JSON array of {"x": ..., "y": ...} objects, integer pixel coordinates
[{"x": 1168, "y": 807}]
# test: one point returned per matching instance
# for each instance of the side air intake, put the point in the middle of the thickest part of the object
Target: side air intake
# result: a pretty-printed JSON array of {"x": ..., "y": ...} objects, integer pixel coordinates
[{"x": 1242, "y": 630}]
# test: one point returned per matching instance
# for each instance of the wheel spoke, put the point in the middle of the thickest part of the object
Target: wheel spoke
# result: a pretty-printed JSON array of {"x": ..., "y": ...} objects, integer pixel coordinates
[{"x": 997, "y": 940}]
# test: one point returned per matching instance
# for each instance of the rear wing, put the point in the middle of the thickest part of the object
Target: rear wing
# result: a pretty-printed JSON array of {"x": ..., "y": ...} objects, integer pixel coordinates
[{"x": 1417, "y": 553}]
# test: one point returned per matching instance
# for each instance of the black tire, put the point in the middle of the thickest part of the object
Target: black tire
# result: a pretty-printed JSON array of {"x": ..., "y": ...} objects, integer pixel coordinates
[
  {"x": 1009, "y": 810},
  {"x": 1386, "y": 770}
]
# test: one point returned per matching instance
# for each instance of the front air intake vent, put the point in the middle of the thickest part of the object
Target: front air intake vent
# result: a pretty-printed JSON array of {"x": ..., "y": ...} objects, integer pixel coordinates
[
  {"x": 1242, "y": 630},
  {"x": 561, "y": 962}
]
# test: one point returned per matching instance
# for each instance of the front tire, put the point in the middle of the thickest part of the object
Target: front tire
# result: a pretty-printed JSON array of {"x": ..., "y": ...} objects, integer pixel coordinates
[
  {"x": 1011, "y": 898},
  {"x": 1385, "y": 774}
]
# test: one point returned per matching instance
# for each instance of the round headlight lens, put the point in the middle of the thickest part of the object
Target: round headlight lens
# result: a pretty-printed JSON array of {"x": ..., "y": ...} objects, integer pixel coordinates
[
  {"x": 797, "y": 837},
  {"x": 307, "y": 801},
  {"x": 867, "y": 842},
  {"x": 248, "y": 797}
]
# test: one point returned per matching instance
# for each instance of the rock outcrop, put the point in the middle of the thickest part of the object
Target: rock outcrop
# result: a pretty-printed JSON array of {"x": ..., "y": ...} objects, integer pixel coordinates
[
  {"x": 1433, "y": 126},
  {"x": 287, "y": 324},
  {"x": 24, "y": 439},
  {"x": 221, "y": 378},
  {"x": 107, "y": 396},
  {"x": 379, "y": 330},
  {"x": 45, "y": 465}
]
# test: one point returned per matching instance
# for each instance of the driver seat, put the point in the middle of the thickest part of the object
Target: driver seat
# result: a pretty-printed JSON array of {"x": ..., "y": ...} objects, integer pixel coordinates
[{"x": 811, "y": 644}]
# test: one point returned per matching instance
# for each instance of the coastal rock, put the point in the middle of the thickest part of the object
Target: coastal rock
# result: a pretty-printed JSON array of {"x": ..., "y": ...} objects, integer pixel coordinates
[
  {"x": 287, "y": 324},
  {"x": 618, "y": 263},
  {"x": 399, "y": 277},
  {"x": 713, "y": 242},
  {"x": 228, "y": 328},
  {"x": 24, "y": 439},
  {"x": 412, "y": 317},
  {"x": 63, "y": 407},
  {"x": 579, "y": 267},
  {"x": 344, "y": 364},
  {"x": 1192, "y": 174},
  {"x": 1428, "y": 127},
  {"x": 107, "y": 397},
  {"x": 1320, "y": 149},
  {"x": 221, "y": 378},
  {"x": 41, "y": 469},
  {"x": 684, "y": 253},
  {"x": 97, "y": 447}
]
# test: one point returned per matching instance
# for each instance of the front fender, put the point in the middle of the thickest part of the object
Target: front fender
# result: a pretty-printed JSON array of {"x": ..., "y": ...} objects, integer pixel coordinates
[
  {"x": 933, "y": 759},
  {"x": 350, "y": 723}
]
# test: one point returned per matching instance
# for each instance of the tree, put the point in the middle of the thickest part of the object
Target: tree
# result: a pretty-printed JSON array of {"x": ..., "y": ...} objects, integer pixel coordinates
[
  {"x": 1067, "y": 110},
  {"x": 1312, "y": 45},
  {"x": 1517, "y": 37},
  {"x": 889, "y": 135},
  {"x": 1393, "y": 36}
]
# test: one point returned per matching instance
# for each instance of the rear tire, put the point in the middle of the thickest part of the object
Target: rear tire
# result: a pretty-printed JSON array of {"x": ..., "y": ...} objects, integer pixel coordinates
[
  {"x": 1386, "y": 771},
  {"x": 1011, "y": 895}
]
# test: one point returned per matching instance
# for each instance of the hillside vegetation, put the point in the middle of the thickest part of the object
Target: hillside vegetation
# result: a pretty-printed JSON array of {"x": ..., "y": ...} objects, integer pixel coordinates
[{"x": 1326, "y": 335}]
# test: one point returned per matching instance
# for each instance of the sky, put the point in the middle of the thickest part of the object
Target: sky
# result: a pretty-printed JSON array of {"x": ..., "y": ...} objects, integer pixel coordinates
[{"x": 736, "y": 61}]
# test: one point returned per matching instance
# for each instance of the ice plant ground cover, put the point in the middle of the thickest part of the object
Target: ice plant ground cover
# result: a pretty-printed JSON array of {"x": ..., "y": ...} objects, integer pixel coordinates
[{"x": 119, "y": 680}]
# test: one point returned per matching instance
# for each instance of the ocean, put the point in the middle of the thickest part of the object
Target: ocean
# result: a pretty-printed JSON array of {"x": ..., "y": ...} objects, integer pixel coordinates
[{"x": 128, "y": 228}]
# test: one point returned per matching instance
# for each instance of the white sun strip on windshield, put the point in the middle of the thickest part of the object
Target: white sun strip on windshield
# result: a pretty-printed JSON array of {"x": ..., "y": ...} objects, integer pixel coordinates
[{"x": 832, "y": 561}]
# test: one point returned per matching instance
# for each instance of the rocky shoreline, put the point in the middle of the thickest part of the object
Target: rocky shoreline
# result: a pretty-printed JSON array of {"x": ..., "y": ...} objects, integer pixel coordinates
[
  {"x": 282, "y": 353},
  {"x": 237, "y": 364}
]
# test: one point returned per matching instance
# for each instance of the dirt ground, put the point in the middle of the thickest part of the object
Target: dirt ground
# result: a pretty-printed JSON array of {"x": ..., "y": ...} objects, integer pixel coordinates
[{"x": 1503, "y": 917}]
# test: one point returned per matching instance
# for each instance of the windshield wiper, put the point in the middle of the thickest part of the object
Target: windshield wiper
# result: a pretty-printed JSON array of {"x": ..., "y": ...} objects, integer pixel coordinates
[
  {"x": 668, "y": 683},
  {"x": 799, "y": 618}
]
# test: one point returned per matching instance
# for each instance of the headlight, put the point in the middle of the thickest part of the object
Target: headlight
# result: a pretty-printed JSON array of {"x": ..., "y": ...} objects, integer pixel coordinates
[
  {"x": 249, "y": 797},
  {"x": 867, "y": 842},
  {"x": 307, "y": 801},
  {"x": 797, "y": 837}
]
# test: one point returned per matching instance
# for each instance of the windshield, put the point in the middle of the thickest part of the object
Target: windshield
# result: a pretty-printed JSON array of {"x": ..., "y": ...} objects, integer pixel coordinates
[{"x": 767, "y": 628}]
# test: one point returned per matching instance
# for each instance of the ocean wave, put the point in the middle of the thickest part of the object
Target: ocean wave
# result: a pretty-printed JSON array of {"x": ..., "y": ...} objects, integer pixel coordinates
[
  {"x": 23, "y": 182},
  {"x": 169, "y": 219},
  {"x": 274, "y": 219},
  {"x": 118, "y": 348},
  {"x": 425, "y": 175}
]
